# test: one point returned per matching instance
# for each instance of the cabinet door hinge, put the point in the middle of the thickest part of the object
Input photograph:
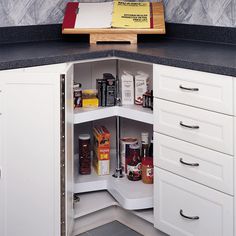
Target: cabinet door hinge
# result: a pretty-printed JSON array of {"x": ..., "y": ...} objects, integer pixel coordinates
[{"x": 62, "y": 159}]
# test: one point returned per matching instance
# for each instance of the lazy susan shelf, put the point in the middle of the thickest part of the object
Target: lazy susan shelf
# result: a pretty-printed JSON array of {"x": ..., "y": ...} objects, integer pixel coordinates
[
  {"x": 133, "y": 112},
  {"x": 131, "y": 195}
]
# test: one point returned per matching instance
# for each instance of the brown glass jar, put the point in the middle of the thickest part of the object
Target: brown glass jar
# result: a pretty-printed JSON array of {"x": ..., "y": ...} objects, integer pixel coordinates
[{"x": 84, "y": 154}]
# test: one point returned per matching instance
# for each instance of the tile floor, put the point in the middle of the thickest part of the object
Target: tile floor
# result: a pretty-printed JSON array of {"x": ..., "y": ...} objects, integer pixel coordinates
[{"x": 114, "y": 228}]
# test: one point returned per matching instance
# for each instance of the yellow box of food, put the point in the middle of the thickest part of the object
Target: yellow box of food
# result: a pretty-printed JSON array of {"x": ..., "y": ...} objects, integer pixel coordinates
[
  {"x": 102, "y": 153},
  {"x": 89, "y": 102}
]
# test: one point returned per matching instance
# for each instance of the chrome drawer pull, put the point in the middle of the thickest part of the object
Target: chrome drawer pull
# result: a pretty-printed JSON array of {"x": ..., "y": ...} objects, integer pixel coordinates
[
  {"x": 187, "y": 164},
  {"x": 188, "y": 217},
  {"x": 189, "y": 126},
  {"x": 189, "y": 89}
]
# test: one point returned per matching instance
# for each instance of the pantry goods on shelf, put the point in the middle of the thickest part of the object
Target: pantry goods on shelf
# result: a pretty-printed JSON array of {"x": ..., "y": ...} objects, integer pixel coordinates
[
  {"x": 130, "y": 89},
  {"x": 101, "y": 158},
  {"x": 136, "y": 162}
]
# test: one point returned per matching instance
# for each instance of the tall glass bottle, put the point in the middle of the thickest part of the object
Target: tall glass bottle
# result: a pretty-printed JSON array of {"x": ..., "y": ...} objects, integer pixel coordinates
[
  {"x": 144, "y": 142},
  {"x": 150, "y": 151}
]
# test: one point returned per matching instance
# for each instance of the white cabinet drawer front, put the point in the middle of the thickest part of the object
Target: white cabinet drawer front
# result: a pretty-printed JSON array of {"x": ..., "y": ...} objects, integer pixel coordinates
[
  {"x": 200, "y": 89},
  {"x": 205, "y": 128},
  {"x": 1, "y": 97},
  {"x": 202, "y": 165},
  {"x": 177, "y": 198}
]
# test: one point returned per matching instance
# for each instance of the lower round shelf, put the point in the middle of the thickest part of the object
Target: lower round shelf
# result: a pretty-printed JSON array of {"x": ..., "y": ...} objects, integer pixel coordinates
[
  {"x": 131, "y": 195},
  {"x": 87, "y": 205}
]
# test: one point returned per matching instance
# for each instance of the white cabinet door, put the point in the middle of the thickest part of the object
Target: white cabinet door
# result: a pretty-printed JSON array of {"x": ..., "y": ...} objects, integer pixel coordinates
[
  {"x": 1, "y": 163},
  {"x": 69, "y": 149},
  {"x": 31, "y": 177},
  {"x": 205, "y": 128},
  {"x": 185, "y": 208}
]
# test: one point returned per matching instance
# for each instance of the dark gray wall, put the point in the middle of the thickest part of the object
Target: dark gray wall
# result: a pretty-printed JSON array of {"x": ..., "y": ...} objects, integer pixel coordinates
[{"x": 203, "y": 12}]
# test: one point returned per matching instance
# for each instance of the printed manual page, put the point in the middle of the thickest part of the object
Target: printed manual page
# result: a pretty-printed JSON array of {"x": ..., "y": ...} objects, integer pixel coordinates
[
  {"x": 94, "y": 15},
  {"x": 134, "y": 15}
]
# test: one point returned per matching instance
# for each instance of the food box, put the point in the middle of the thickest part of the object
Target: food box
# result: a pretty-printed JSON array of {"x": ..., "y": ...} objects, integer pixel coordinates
[
  {"x": 89, "y": 98},
  {"x": 90, "y": 102},
  {"x": 101, "y": 142},
  {"x": 140, "y": 87},
  {"x": 110, "y": 89},
  {"x": 101, "y": 136},
  {"x": 102, "y": 167},
  {"x": 127, "y": 89}
]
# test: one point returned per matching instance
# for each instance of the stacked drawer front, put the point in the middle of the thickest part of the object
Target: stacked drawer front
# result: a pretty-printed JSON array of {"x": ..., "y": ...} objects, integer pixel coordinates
[
  {"x": 0, "y": 98},
  {"x": 205, "y": 166},
  {"x": 1, "y": 126},
  {"x": 186, "y": 208},
  {"x": 194, "y": 125},
  {"x": 193, "y": 143},
  {"x": 204, "y": 90}
]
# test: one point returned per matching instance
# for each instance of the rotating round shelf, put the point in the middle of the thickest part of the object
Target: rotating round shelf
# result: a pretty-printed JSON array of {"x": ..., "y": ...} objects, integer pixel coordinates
[
  {"x": 134, "y": 112},
  {"x": 131, "y": 195}
]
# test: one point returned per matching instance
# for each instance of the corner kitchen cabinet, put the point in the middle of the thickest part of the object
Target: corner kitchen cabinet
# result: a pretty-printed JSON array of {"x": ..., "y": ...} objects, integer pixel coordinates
[
  {"x": 36, "y": 129},
  {"x": 193, "y": 127},
  {"x": 38, "y": 125}
]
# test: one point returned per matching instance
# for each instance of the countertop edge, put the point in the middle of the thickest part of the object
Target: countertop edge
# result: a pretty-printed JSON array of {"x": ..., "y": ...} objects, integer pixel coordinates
[{"x": 140, "y": 57}]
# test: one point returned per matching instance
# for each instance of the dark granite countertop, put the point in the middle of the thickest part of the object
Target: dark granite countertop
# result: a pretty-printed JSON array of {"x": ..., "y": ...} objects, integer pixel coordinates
[{"x": 203, "y": 56}]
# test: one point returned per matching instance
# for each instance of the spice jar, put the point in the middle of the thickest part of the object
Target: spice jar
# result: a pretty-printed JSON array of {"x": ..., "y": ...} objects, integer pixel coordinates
[
  {"x": 147, "y": 170},
  {"x": 84, "y": 154},
  {"x": 134, "y": 163}
]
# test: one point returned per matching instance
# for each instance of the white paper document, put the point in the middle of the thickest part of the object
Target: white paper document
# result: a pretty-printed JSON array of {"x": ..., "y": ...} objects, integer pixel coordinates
[{"x": 94, "y": 15}]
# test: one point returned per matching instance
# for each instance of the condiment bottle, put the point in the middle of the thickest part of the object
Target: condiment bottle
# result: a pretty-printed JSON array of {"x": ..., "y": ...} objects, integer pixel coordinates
[
  {"x": 84, "y": 154},
  {"x": 144, "y": 142},
  {"x": 134, "y": 163},
  {"x": 150, "y": 151},
  {"x": 147, "y": 169}
]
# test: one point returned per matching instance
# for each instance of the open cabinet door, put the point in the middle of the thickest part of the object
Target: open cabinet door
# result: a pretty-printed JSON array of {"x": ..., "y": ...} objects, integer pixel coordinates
[
  {"x": 30, "y": 152},
  {"x": 69, "y": 150}
]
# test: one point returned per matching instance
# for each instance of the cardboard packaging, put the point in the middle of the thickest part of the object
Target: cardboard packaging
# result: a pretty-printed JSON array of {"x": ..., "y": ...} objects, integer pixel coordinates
[
  {"x": 141, "y": 81},
  {"x": 89, "y": 98},
  {"x": 127, "y": 89},
  {"x": 101, "y": 160},
  {"x": 110, "y": 89},
  {"x": 102, "y": 167}
]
